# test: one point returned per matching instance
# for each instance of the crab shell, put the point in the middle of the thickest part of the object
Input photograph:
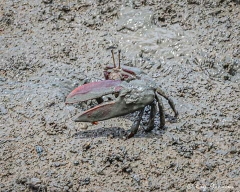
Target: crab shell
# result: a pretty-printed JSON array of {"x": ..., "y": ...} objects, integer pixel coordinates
[{"x": 126, "y": 73}]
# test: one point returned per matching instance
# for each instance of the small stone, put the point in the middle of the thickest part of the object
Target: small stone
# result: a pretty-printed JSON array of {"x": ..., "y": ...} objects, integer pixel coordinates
[
  {"x": 21, "y": 180},
  {"x": 126, "y": 168},
  {"x": 233, "y": 150},
  {"x": 99, "y": 171},
  {"x": 35, "y": 181},
  {"x": 70, "y": 185},
  {"x": 86, "y": 146},
  {"x": 136, "y": 178},
  {"x": 65, "y": 188},
  {"x": 73, "y": 150},
  {"x": 39, "y": 150},
  {"x": 47, "y": 1},
  {"x": 83, "y": 126},
  {"x": 76, "y": 163},
  {"x": 226, "y": 77},
  {"x": 73, "y": 58},
  {"x": 65, "y": 8},
  {"x": 148, "y": 67},
  {"x": 3, "y": 110},
  {"x": 85, "y": 181},
  {"x": 225, "y": 65},
  {"x": 2, "y": 79}
]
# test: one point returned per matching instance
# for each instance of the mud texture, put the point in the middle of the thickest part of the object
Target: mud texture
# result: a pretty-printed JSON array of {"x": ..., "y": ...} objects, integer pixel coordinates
[{"x": 49, "y": 47}]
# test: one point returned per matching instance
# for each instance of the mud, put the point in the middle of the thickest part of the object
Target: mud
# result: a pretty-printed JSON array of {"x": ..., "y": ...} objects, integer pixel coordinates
[{"x": 49, "y": 47}]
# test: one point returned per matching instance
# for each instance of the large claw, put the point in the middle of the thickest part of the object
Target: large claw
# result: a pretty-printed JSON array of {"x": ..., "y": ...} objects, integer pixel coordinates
[
  {"x": 108, "y": 110},
  {"x": 98, "y": 113},
  {"x": 131, "y": 97},
  {"x": 93, "y": 90},
  {"x": 116, "y": 108}
]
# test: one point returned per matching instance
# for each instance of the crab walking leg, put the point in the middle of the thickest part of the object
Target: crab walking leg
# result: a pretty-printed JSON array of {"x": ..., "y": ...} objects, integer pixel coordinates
[
  {"x": 119, "y": 59},
  {"x": 136, "y": 124},
  {"x": 161, "y": 111},
  {"x": 170, "y": 101},
  {"x": 151, "y": 118}
]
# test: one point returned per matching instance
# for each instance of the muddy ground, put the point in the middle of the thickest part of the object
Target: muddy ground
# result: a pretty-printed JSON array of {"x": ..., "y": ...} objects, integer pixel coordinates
[{"x": 190, "y": 48}]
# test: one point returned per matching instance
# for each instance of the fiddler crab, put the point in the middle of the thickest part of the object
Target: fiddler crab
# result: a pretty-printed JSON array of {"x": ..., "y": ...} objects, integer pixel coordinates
[{"x": 133, "y": 91}]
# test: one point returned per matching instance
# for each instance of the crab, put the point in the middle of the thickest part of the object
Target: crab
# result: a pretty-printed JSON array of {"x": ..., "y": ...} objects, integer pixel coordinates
[{"x": 133, "y": 91}]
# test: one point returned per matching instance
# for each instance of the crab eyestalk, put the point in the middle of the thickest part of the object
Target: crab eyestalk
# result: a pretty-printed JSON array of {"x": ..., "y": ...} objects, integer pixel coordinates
[{"x": 113, "y": 59}]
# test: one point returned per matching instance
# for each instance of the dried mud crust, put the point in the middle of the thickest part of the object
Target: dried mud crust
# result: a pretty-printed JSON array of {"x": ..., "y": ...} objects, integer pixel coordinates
[{"x": 191, "y": 49}]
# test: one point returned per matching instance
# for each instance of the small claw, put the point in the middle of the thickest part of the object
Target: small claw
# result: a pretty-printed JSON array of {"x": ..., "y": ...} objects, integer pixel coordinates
[
  {"x": 126, "y": 71},
  {"x": 116, "y": 108},
  {"x": 93, "y": 90},
  {"x": 132, "y": 70}
]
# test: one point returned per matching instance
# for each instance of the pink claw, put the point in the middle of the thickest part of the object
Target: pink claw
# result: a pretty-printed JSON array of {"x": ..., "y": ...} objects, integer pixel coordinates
[
  {"x": 98, "y": 113},
  {"x": 93, "y": 90}
]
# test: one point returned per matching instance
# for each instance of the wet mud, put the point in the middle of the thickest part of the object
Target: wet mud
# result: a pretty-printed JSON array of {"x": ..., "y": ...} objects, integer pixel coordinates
[{"x": 189, "y": 48}]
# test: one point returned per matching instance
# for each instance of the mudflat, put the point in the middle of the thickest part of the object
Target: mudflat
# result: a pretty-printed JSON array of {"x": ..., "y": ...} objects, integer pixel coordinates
[{"x": 189, "y": 48}]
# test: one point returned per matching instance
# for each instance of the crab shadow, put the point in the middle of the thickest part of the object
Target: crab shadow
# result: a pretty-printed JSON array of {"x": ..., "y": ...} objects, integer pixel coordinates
[{"x": 117, "y": 132}]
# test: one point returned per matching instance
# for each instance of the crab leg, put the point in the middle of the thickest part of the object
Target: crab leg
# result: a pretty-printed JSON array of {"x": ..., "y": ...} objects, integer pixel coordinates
[
  {"x": 136, "y": 124},
  {"x": 161, "y": 111},
  {"x": 119, "y": 59},
  {"x": 151, "y": 118},
  {"x": 170, "y": 101}
]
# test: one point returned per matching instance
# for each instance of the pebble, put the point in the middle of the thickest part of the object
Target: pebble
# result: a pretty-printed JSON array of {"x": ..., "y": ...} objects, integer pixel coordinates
[
  {"x": 85, "y": 181},
  {"x": 3, "y": 110},
  {"x": 83, "y": 126},
  {"x": 65, "y": 8},
  {"x": 39, "y": 150},
  {"x": 65, "y": 188},
  {"x": 35, "y": 181},
  {"x": 47, "y": 1},
  {"x": 76, "y": 163}
]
